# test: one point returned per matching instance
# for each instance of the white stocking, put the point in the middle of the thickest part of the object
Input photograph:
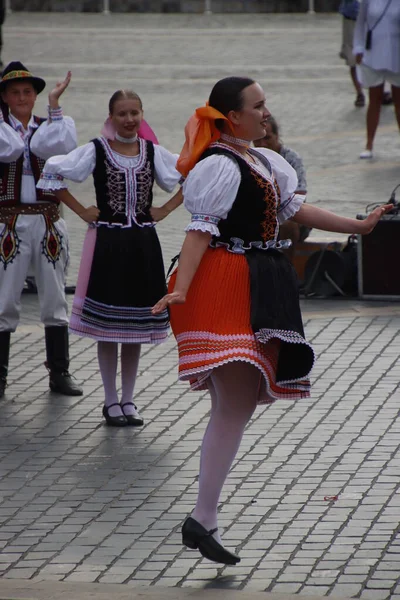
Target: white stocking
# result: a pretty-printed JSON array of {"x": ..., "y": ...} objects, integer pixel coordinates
[
  {"x": 107, "y": 353},
  {"x": 234, "y": 390},
  {"x": 130, "y": 354}
]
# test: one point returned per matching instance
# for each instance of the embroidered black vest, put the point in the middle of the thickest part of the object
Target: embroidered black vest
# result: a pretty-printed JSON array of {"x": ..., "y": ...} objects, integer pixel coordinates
[
  {"x": 123, "y": 194},
  {"x": 11, "y": 177},
  {"x": 252, "y": 220}
]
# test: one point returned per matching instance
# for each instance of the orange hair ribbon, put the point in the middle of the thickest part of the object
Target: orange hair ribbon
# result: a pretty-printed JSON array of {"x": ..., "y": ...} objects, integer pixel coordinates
[{"x": 200, "y": 132}]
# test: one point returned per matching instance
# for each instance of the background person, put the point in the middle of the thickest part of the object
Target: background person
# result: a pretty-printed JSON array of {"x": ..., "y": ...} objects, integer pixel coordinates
[
  {"x": 377, "y": 51},
  {"x": 349, "y": 10},
  {"x": 32, "y": 234},
  {"x": 289, "y": 229},
  {"x": 122, "y": 272}
]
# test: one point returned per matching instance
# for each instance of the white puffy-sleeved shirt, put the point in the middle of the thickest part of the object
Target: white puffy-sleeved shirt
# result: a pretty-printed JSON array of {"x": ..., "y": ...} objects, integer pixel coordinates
[
  {"x": 385, "y": 47},
  {"x": 212, "y": 186},
  {"x": 57, "y": 135},
  {"x": 80, "y": 163}
]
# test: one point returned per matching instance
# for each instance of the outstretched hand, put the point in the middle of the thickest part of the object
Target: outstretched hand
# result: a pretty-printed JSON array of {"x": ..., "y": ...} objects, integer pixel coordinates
[
  {"x": 59, "y": 89},
  {"x": 174, "y": 298},
  {"x": 368, "y": 224}
]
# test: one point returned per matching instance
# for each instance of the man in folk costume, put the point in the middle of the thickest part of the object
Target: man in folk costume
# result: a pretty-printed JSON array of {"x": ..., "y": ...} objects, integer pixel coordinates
[{"x": 32, "y": 234}]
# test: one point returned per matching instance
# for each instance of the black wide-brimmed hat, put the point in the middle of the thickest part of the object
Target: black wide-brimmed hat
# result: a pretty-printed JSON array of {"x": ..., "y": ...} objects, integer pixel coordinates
[{"x": 16, "y": 71}]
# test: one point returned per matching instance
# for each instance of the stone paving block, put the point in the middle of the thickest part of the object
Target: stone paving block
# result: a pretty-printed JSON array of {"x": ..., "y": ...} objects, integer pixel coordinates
[{"x": 346, "y": 590}]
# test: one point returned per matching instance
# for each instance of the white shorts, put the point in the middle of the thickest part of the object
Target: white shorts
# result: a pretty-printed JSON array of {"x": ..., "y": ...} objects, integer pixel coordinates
[{"x": 372, "y": 78}]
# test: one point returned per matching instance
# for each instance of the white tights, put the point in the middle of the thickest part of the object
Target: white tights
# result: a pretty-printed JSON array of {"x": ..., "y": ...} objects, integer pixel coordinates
[
  {"x": 234, "y": 389},
  {"x": 107, "y": 353}
]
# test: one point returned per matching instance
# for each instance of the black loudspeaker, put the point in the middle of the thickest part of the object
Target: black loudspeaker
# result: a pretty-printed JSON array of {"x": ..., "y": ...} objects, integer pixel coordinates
[{"x": 378, "y": 261}]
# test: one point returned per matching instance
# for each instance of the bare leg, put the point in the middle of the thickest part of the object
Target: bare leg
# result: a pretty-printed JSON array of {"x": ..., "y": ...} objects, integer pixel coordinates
[
  {"x": 356, "y": 83},
  {"x": 234, "y": 391},
  {"x": 373, "y": 113}
]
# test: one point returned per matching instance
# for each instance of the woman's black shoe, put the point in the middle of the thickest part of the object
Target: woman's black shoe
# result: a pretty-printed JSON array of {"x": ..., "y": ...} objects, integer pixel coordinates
[
  {"x": 195, "y": 536},
  {"x": 119, "y": 421},
  {"x": 133, "y": 418}
]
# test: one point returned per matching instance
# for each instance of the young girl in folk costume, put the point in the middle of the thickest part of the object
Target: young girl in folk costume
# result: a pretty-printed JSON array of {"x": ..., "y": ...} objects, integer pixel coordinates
[
  {"x": 233, "y": 301},
  {"x": 122, "y": 272}
]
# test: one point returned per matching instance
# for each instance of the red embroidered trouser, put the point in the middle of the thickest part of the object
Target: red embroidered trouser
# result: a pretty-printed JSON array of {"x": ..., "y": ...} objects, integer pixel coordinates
[{"x": 33, "y": 244}]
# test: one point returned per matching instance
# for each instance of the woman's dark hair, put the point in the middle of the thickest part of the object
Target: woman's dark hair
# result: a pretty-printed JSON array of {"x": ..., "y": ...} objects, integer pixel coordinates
[
  {"x": 122, "y": 94},
  {"x": 227, "y": 95},
  {"x": 274, "y": 125}
]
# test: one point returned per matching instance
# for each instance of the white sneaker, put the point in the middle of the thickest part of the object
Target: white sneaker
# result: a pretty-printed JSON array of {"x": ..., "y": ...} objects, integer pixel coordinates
[{"x": 367, "y": 154}]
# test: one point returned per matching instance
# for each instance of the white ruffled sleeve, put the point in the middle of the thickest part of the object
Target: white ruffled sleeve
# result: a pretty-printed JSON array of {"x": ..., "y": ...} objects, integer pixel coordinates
[
  {"x": 55, "y": 136},
  {"x": 166, "y": 174},
  {"x": 76, "y": 166},
  {"x": 286, "y": 178},
  {"x": 210, "y": 191},
  {"x": 11, "y": 143}
]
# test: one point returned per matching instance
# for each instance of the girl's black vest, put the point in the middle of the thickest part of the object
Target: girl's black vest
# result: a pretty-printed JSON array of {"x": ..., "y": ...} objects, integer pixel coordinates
[
  {"x": 11, "y": 177},
  {"x": 252, "y": 220},
  {"x": 123, "y": 195}
]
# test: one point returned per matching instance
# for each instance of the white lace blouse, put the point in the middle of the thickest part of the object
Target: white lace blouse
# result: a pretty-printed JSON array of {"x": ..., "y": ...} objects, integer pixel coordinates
[
  {"x": 80, "y": 163},
  {"x": 212, "y": 186}
]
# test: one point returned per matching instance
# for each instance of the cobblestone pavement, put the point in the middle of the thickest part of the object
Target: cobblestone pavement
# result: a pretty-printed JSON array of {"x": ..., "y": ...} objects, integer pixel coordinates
[{"x": 312, "y": 503}]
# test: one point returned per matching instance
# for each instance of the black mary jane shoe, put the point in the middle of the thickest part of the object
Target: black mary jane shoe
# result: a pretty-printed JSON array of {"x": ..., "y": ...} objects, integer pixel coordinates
[
  {"x": 119, "y": 421},
  {"x": 133, "y": 419},
  {"x": 195, "y": 536}
]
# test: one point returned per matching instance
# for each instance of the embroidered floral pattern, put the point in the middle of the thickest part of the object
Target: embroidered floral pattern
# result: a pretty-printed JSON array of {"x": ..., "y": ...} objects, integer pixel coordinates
[
  {"x": 116, "y": 189},
  {"x": 143, "y": 189},
  {"x": 52, "y": 242},
  {"x": 51, "y": 177},
  {"x": 269, "y": 224},
  {"x": 205, "y": 218},
  {"x": 9, "y": 243}
]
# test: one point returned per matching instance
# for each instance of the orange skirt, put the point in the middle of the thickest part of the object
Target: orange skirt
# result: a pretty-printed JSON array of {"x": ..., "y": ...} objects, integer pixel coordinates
[{"x": 213, "y": 327}]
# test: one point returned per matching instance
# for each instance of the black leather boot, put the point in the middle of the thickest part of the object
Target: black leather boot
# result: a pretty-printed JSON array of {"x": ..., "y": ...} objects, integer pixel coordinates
[
  {"x": 57, "y": 352},
  {"x": 4, "y": 357}
]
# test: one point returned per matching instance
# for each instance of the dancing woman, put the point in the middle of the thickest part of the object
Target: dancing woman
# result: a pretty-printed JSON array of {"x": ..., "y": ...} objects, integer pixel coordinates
[{"x": 233, "y": 300}]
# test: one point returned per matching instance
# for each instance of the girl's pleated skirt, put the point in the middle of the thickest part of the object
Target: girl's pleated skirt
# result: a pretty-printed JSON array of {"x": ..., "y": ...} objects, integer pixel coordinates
[
  {"x": 121, "y": 277},
  {"x": 244, "y": 308}
]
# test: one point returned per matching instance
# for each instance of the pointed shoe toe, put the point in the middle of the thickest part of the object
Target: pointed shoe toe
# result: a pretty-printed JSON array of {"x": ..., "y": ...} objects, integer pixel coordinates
[{"x": 195, "y": 536}]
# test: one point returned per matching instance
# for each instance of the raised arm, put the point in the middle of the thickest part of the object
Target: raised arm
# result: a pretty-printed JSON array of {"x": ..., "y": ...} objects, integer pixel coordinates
[{"x": 58, "y": 134}]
